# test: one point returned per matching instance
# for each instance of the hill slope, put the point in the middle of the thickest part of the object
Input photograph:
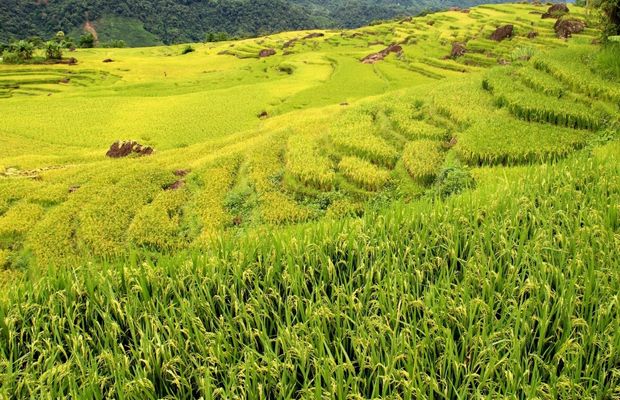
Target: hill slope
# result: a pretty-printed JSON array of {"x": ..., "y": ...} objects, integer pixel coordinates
[
  {"x": 358, "y": 215},
  {"x": 176, "y": 21}
]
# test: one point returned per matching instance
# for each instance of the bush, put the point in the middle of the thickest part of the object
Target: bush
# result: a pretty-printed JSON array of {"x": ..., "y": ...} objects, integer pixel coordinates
[
  {"x": 53, "y": 50},
  {"x": 188, "y": 49},
  {"x": 9, "y": 57},
  {"x": 24, "y": 50},
  {"x": 453, "y": 180},
  {"x": 114, "y": 44},
  {"x": 87, "y": 41}
]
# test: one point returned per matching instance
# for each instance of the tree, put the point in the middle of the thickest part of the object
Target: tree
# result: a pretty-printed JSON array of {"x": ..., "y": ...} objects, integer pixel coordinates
[
  {"x": 53, "y": 50},
  {"x": 87, "y": 41},
  {"x": 610, "y": 13},
  {"x": 23, "y": 49},
  {"x": 59, "y": 37}
]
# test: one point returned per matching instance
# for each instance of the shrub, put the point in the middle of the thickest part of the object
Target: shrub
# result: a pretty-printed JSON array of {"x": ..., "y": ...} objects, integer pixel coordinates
[
  {"x": 24, "y": 50},
  {"x": 188, "y": 49},
  {"x": 87, "y": 41},
  {"x": 10, "y": 57},
  {"x": 453, "y": 180},
  {"x": 53, "y": 50}
]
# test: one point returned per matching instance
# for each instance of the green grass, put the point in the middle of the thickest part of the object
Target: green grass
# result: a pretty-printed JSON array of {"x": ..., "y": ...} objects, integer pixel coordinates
[{"x": 310, "y": 226}]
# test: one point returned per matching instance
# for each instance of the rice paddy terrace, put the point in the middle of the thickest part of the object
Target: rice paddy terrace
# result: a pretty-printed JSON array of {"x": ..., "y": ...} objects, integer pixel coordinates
[
  {"x": 304, "y": 178},
  {"x": 248, "y": 140}
]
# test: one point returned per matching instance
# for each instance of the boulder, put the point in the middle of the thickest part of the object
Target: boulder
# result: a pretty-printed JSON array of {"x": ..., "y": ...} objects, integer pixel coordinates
[
  {"x": 458, "y": 49},
  {"x": 565, "y": 27},
  {"x": 556, "y": 11},
  {"x": 503, "y": 32},
  {"x": 266, "y": 53},
  {"x": 123, "y": 149}
]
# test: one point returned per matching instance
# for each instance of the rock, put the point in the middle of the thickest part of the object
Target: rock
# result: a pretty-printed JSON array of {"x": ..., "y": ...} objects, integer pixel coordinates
[
  {"x": 458, "y": 49},
  {"x": 565, "y": 27},
  {"x": 108, "y": 60},
  {"x": 267, "y": 53},
  {"x": 532, "y": 34},
  {"x": 290, "y": 43},
  {"x": 123, "y": 149},
  {"x": 263, "y": 115},
  {"x": 556, "y": 11},
  {"x": 503, "y": 32}
]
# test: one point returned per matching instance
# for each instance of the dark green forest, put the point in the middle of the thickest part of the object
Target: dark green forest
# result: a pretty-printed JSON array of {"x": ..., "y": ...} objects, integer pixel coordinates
[{"x": 176, "y": 21}]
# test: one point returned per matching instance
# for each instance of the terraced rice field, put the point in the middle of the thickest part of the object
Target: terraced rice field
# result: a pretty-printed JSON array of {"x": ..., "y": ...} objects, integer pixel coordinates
[
  {"x": 278, "y": 139},
  {"x": 296, "y": 233}
]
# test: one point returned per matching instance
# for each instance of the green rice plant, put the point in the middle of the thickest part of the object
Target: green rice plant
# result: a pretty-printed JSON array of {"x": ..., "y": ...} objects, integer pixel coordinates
[
  {"x": 363, "y": 173},
  {"x": 579, "y": 79},
  {"x": 356, "y": 134},
  {"x": 422, "y": 158},
  {"x": 462, "y": 298},
  {"x": 540, "y": 82},
  {"x": 537, "y": 107},
  {"x": 501, "y": 140},
  {"x": 305, "y": 162},
  {"x": 159, "y": 225}
]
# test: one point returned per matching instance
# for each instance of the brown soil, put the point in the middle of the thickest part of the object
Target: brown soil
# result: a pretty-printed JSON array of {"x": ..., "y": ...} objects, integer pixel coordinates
[
  {"x": 380, "y": 56},
  {"x": 267, "y": 53},
  {"x": 181, "y": 172},
  {"x": 564, "y": 28},
  {"x": 124, "y": 149},
  {"x": 503, "y": 32},
  {"x": 90, "y": 28},
  {"x": 176, "y": 185}
]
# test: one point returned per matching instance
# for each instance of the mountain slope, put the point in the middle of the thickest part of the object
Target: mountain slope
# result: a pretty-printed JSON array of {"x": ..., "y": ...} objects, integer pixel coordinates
[{"x": 176, "y": 21}]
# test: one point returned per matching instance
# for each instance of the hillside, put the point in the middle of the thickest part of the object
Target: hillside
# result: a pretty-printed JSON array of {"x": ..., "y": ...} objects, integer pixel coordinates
[
  {"x": 146, "y": 23},
  {"x": 426, "y": 208}
]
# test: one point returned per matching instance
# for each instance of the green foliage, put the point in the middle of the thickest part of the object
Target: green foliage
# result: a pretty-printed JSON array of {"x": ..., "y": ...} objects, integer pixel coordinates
[
  {"x": 478, "y": 283},
  {"x": 608, "y": 61},
  {"x": 87, "y": 40},
  {"x": 188, "y": 49},
  {"x": 453, "y": 180},
  {"x": 53, "y": 50}
]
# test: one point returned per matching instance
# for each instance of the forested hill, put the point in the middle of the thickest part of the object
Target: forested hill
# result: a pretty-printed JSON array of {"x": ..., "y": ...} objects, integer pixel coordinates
[{"x": 144, "y": 22}]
